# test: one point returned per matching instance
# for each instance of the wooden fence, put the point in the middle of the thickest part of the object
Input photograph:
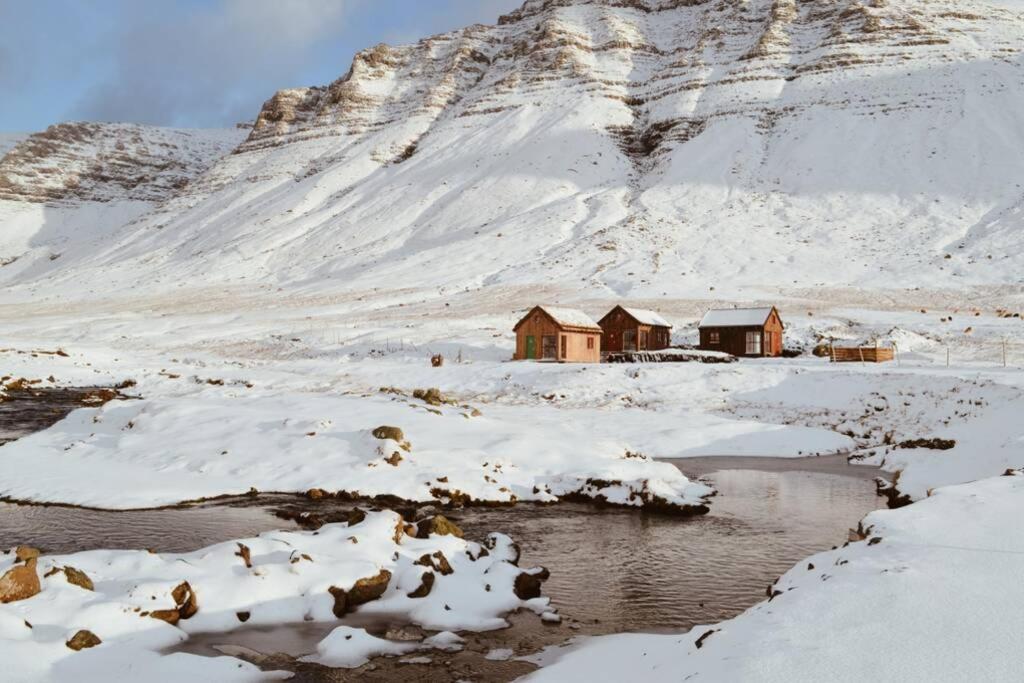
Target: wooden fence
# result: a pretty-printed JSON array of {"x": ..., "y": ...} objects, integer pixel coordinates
[{"x": 861, "y": 354}]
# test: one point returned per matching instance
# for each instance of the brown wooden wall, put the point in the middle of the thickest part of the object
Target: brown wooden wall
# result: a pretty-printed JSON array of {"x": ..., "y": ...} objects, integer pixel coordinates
[
  {"x": 539, "y": 326},
  {"x": 616, "y": 324},
  {"x": 734, "y": 339}
]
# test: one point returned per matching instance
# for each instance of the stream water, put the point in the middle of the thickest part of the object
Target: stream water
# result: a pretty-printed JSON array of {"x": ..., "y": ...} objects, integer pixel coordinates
[{"x": 612, "y": 570}]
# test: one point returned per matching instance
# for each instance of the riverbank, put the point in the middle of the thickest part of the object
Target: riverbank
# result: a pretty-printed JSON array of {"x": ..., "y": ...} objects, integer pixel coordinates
[{"x": 610, "y": 570}]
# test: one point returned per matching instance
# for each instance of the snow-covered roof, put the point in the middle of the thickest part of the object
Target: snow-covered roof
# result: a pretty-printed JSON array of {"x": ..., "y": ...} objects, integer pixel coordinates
[
  {"x": 735, "y": 317},
  {"x": 645, "y": 317},
  {"x": 570, "y": 317}
]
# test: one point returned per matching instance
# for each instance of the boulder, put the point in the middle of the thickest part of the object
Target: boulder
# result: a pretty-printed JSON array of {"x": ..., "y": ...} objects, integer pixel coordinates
[
  {"x": 83, "y": 639},
  {"x": 370, "y": 588},
  {"x": 438, "y": 524},
  {"x": 362, "y": 591},
  {"x": 316, "y": 494},
  {"x": 19, "y": 582},
  {"x": 389, "y": 432},
  {"x": 527, "y": 586}
]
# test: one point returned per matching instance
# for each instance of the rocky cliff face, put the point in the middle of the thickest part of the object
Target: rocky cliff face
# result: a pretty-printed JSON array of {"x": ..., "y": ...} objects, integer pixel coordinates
[
  {"x": 108, "y": 161},
  {"x": 627, "y": 147}
]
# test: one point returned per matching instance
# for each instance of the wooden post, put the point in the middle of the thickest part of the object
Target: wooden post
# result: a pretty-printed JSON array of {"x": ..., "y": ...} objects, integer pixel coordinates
[{"x": 860, "y": 350}]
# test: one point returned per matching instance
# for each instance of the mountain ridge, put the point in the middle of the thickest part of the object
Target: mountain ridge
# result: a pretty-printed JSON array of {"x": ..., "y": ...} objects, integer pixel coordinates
[{"x": 636, "y": 148}]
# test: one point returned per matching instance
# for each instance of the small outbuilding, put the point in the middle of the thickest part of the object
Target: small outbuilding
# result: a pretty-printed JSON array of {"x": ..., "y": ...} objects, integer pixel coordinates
[
  {"x": 752, "y": 332},
  {"x": 566, "y": 335},
  {"x": 634, "y": 329}
]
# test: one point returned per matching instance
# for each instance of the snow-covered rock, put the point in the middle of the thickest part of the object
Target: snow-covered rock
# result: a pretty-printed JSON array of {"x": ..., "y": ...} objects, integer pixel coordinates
[{"x": 142, "y": 605}]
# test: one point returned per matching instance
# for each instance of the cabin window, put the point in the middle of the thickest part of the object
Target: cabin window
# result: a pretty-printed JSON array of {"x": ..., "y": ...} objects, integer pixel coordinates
[
  {"x": 714, "y": 338},
  {"x": 549, "y": 346},
  {"x": 643, "y": 340},
  {"x": 753, "y": 344},
  {"x": 565, "y": 346},
  {"x": 629, "y": 340},
  {"x": 590, "y": 343}
]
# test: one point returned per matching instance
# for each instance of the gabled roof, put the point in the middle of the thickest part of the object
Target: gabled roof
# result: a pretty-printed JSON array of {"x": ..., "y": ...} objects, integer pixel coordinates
[
  {"x": 645, "y": 317},
  {"x": 736, "y": 317},
  {"x": 641, "y": 315},
  {"x": 565, "y": 317}
]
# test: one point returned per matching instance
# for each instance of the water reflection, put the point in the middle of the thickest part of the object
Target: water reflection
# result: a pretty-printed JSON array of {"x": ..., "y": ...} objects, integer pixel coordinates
[{"x": 619, "y": 570}]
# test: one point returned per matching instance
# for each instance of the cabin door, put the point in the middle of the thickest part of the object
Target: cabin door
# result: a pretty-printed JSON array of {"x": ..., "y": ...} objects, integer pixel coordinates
[
  {"x": 531, "y": 347},
  {"x": 549, "y": 347}
]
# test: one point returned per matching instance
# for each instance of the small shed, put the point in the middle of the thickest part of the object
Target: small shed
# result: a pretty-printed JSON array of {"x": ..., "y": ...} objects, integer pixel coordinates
[
  {"x": 566, "y": 335},
  {"x": 752, "y": 332},
  {"x": 634, "y": 329}
]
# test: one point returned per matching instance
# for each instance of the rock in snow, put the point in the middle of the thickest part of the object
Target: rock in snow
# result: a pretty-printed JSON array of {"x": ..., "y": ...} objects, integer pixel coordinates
[{"x": 290, "y": 581}]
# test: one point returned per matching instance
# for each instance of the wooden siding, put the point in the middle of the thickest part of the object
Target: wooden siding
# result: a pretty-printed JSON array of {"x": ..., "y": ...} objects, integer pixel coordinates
[
  {"x": 617, "y": 323},
  {"x": 861, "y": 354},
  {"x": 733, "y": 340},
  {"x": 574, "y": 349}
]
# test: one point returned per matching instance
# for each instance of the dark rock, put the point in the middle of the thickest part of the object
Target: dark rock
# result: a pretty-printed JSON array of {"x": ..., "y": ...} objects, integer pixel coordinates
[
  {"x": 82, "y": 640},
  {"x": 700, "y": 641},
  {"x": 361, "y": 592},
  {"x": 77, "y": 577},
  {"x": 438, "y": 524},
  {"x": 437, "y": 561},
  {"x": 388, "y": 432},
  {"x": 527, "y": 586},
  {"x": 243, "y": 616},
  {"x": 426, "y": 584}
]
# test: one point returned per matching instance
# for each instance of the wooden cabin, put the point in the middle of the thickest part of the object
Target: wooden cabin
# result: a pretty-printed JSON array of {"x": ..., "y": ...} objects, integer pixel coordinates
[
  {"x": 751, "y": 332},
  {"x": 634, "y": 329},
  {"x": 565, "y": 335}
]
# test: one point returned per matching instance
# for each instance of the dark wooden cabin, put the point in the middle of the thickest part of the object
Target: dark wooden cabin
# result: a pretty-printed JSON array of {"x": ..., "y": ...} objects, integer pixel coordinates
[
  {"x": 751, "y": 332},
  {"x": 566, "y": 335},
  {"x": 634, "y": 329}
]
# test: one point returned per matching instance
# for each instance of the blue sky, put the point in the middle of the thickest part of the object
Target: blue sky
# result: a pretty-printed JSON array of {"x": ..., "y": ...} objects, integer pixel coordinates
[{"x": 193, "y": 63}]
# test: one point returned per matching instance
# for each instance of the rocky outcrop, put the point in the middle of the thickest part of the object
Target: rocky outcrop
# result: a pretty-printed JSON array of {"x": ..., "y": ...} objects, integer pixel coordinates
[{"x": 102, "y": 162}]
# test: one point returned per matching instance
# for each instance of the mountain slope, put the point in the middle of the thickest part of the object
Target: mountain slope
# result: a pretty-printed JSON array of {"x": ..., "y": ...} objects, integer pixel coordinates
[
  {"x": 68, "y": 190},
  {"x": 634, "y": 147}
]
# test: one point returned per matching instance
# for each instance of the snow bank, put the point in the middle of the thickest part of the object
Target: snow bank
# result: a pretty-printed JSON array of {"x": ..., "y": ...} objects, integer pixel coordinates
[
  {"x": 146, "y": 453},
  {"x": 140, "y": 604},
  {"x": 932, "y": 593}
]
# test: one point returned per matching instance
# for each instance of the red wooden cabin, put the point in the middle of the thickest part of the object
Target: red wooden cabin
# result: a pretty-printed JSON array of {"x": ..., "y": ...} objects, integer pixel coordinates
[{"x": 634, "y": 329}]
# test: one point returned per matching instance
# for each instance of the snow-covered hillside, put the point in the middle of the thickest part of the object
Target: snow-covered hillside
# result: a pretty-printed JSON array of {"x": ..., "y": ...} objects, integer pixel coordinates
[
  {"x": 66, "y": 191},
  {"x": 643, "y": 148}
]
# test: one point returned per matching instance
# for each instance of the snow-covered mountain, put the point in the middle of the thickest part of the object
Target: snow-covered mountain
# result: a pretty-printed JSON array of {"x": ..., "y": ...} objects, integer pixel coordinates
[{"x": 628, "y": 147}]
